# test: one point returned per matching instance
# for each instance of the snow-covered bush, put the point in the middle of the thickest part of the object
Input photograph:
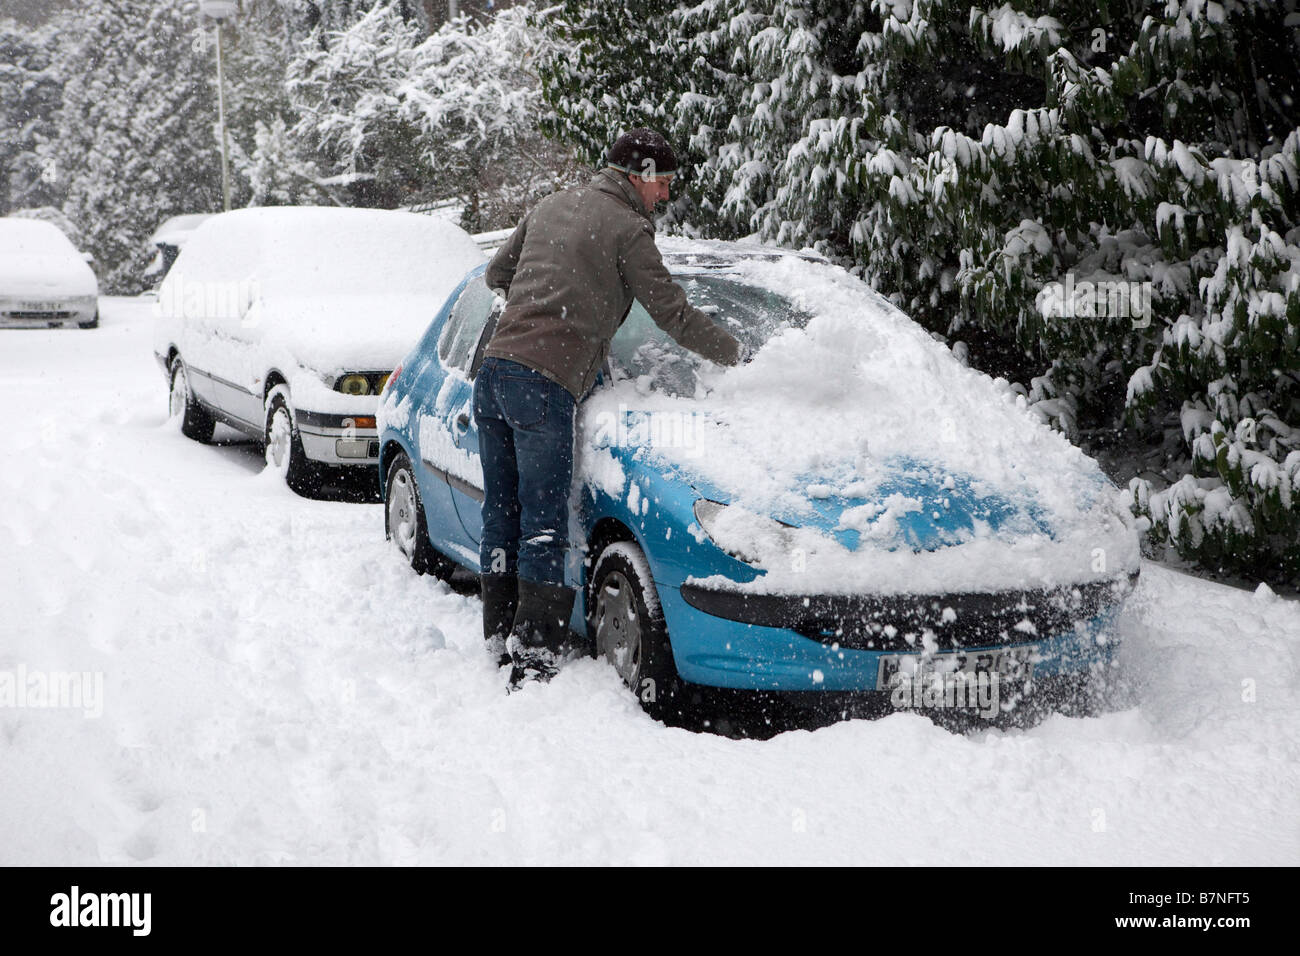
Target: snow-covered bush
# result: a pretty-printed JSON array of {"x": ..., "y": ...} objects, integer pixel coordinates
[{"x": 450, "y": 115}]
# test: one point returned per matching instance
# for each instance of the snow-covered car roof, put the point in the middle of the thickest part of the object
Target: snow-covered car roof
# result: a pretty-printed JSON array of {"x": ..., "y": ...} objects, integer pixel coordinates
[
  {"x": 177, "y": 229},
  {"x": 331, "y": 287},
  {"x": 318, "y": 251},
  {"x": 684, "y": 255},
  {"x": 32, "y": 236}
]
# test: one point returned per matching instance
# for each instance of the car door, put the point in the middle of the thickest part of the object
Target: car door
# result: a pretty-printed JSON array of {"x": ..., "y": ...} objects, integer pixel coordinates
[
  {"x": 210, "y": 290},
  {"x": 447, "y": 433}
]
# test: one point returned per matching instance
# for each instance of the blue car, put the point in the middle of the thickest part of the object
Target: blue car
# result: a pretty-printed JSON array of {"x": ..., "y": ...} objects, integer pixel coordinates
[{"x": 851, "y": 510}]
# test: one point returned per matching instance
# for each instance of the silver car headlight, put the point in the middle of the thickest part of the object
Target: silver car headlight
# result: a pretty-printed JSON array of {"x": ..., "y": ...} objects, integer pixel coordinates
[{"x": 744, "y": 535}]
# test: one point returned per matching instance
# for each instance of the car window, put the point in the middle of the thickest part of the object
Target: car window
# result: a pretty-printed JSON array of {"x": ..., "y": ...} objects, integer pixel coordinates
[
  {"x": 33, "y": 237},
  {"x": 753, "y": 315},
  {"x": 465, "y": 325}
]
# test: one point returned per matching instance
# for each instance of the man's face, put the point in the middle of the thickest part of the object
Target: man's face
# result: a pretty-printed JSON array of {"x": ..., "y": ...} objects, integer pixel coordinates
[{"x": 651, "y": 189}]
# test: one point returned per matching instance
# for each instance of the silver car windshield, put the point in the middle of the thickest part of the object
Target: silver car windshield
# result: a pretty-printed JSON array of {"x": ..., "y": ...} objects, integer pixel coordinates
[{"x": 753, "y": 315}]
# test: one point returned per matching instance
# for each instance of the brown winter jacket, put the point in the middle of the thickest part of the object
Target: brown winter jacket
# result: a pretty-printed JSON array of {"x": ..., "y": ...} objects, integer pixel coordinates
[{"x": 570, "y": 272}]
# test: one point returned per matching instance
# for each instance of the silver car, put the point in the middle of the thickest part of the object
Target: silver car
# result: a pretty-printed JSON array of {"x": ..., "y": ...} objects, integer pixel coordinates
[
  {"x": 44, "y": 281},
  {"x": 285, "y": 322}
]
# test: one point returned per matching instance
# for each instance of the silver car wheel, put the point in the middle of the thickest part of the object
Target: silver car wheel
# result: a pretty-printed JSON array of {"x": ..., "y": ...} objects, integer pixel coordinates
[
  {"x": 180, "y": 393},
  {"x": 401, "y": 513},
  {"x": 618, "y": 627},
  {"x": 279, "y": 440}
]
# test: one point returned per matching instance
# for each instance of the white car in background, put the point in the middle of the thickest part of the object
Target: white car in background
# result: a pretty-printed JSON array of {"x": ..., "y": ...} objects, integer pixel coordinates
[
  {"x": 167, "y": 242},
  {"x": 44, "y": 281},
  {"x": 285, "y": 322}
]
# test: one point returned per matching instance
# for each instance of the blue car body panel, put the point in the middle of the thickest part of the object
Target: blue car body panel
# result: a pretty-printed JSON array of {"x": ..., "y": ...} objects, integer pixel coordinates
[{"x": 709, "y": 649}]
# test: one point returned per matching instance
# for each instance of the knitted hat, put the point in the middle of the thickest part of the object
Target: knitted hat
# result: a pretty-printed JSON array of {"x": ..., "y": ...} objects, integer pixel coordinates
[{"x": 642, "y": 152}]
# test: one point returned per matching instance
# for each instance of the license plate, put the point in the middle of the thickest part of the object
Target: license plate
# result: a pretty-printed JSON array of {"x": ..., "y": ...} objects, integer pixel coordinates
[
  {"x": 1008, "y": 663},
  {"x": 39, "y": 307}
]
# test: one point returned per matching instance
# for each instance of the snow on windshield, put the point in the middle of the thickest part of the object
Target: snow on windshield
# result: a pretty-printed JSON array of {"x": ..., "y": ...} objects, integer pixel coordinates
[
  {"x": 752, "y": 314},
  {"x": 32, "y": 237}
]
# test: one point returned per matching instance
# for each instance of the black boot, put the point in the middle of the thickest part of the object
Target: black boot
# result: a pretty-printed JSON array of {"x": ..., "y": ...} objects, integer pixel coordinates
[
  {"x": 540, "y": 632},
  {"x": 500, "y": 594}
]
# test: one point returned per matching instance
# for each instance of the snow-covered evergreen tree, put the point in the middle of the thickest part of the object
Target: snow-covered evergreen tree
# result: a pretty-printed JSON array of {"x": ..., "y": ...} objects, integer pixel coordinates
[
  {"x": 269, "y": 166},
  {"x": 451, "y": 115},
  {"x": 135, "y": 138},
  {"x": 622, "y": 64},
  {"x": 30, "y": 92}
]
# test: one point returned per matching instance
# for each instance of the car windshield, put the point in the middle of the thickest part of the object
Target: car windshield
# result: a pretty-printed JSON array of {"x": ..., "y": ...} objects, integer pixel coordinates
[
  {"x": 753, "y": 315},
  {"x": 32, "y": 236}
]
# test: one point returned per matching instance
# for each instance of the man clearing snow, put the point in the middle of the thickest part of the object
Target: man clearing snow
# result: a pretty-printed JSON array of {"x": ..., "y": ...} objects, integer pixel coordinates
[{"x": 569, "y": 274}]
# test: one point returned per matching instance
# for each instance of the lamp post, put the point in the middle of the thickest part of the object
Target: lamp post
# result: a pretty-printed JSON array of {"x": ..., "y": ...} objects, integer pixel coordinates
[{"x": 219, "y": 10}]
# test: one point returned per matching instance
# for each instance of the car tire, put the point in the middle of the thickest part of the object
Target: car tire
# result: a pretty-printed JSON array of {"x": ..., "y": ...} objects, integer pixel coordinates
[
  {"x": 196, "y": 422},
  {"x": 626, "y": 625},
  {"x": 284, "y": 451},
  {"x": 405, "y": 525},
  {"x": 92, "y": 324}
]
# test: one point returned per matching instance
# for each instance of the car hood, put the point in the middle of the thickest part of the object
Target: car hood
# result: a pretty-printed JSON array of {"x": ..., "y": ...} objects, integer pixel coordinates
[
  {"x": 903, "y": 525},
  {"x": 899, "y": 502},
  {"x": 42, "y": 276},
  {"x": 340, "y": 333}
]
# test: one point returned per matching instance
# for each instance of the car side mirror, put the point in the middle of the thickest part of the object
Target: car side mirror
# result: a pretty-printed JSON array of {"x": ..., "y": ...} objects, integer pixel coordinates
[{"x": 88, "y": 258}]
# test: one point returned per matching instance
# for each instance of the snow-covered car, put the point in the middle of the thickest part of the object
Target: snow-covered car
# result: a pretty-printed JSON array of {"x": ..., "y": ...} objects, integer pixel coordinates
[
  {"x": 167, "y": 242},
  {"x": 851, "y": 510},
  {"x": 44, "y": 281},
  {"x": 284, "y": 323}
]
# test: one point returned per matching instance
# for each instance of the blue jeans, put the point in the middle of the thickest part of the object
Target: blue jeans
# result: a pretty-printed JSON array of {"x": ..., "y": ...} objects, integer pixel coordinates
[{"x": 525, "y": 428}]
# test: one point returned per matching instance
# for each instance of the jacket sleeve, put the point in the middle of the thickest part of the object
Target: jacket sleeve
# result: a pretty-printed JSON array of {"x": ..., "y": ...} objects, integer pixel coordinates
[
  {"x": 646, "y": 275},
  {"x": 501, "y": 270}
]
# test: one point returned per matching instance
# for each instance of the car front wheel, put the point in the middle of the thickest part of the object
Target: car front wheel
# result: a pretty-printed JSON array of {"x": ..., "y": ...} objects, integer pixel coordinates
[
  {"x": 194, "y": 419},
  {"x": 405, "y": 525},
  {"x": 284, "y": 450},
  {"x": 627, "y": 627}
]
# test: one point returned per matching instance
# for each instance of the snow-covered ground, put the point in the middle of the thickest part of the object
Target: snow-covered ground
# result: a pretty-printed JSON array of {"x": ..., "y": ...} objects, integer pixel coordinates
[{"x": 278, "y": 687}]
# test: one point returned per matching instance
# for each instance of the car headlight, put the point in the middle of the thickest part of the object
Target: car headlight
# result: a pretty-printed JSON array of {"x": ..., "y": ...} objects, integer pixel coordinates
[
  {"x": 354, "y": 385},
  {"x": 744, "y": 535}
]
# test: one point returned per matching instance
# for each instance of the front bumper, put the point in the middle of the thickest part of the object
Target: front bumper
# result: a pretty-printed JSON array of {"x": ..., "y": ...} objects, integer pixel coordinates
[
  {"x": 824, "y": 643},
  {"x": 47, "y": 314},
  {"x": 336, "y": 440}
]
